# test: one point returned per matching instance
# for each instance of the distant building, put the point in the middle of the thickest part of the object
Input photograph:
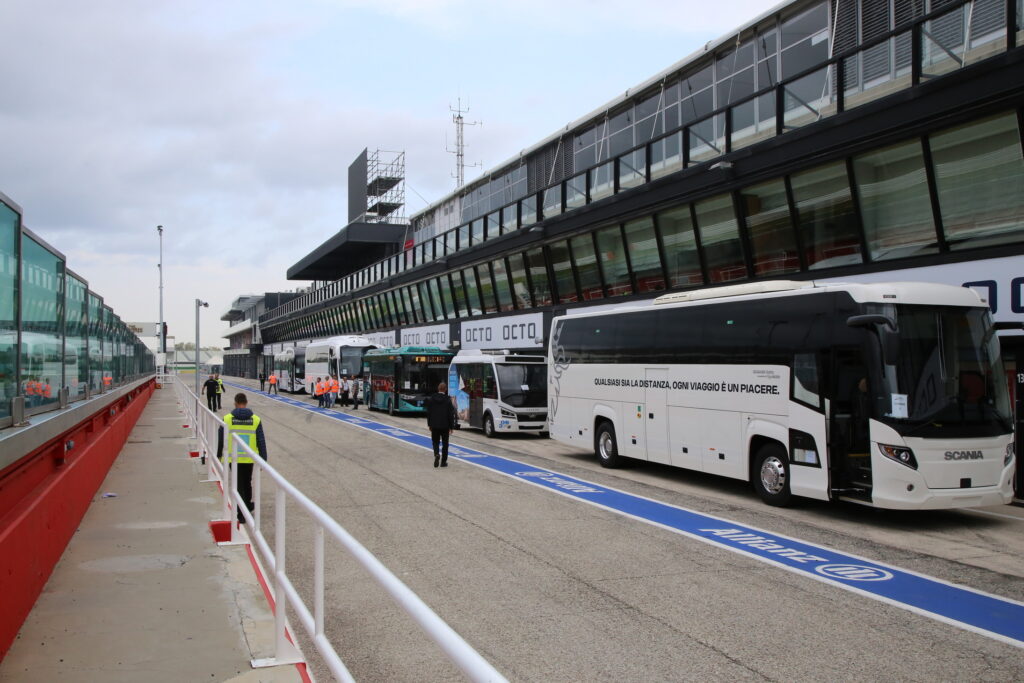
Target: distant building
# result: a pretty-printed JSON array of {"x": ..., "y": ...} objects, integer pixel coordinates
[{"x": 241, "y": 358}]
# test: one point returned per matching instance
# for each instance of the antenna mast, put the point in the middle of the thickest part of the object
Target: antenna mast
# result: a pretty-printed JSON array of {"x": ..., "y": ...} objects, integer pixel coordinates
[{"x": 460, "y": 142}]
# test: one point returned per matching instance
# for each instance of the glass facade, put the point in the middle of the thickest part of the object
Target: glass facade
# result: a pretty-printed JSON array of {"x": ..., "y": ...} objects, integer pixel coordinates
[
  {"x": 9, "y": 232},
  {"x": 42, "y": 323},
  {"x": 76, "y": 352}
]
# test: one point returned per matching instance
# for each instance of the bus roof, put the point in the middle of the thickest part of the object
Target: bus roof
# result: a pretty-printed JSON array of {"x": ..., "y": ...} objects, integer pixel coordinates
[
  {"x": 409, "y": 350},
  {"x": 342, "y": 340},
  {"x": 923, "y": 293}
]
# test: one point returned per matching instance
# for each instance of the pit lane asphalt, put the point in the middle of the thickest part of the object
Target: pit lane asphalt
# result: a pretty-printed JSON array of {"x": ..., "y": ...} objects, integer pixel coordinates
[{"x": 551, "y": 589}]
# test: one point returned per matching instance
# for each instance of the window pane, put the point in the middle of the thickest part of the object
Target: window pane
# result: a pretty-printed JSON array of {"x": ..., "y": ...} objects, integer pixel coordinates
[
  {"x": 633, "y": 169},
  {"x": 415, "y": 305},
  {"x": 472, "y": 292},
  {"x": 444, "y": 284},
  {"x": 8, "y": 307},
  {"x": 601, "y": 181},
  {"x": 528, "y": 211},
  {"x": 586, "y": 267},
  {"x": 613, "y": 261},
  {"x": 42, "y": 318},
  {"x": 560, "y": 264},
  {"x": 483, "y": 272},
  {"x": 477, "y": 231},
  {"x": 681, "y": 258},
  {"x": 435, "y": 294},
  {"x": 75, "y": 352},
  {"x": 504, "y": 293},
  {"x": 95, "y": 344},
  {"x": 980, "y": 178},
  {"x": 720, "y": 238},
  {"x": 894, "y": 202},
  {"x": 552, "y": 201},
  {"x": 539, "y": 277},
  {"x": 827, "y": 221},
  {"x": 508, "y": 219},
  {"x": 772, "y": 237},
  {"x": 644, "y": 255},
  {"x": 517, "y": 278},
  {"x": 428, "y": 305},
  {"x": 493, "y": 224},
  {"x": 463, "y": 237},
  {"x": 576, "y": 192},
  {"x": 460, "y": 294},
  {"x": 666, "y": 155}
]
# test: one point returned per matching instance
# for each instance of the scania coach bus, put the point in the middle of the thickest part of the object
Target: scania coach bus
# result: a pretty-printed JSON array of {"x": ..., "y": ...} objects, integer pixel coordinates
[
  {"x": 289, "y": 365},
  {"x": 335, "y": 356},
  {"x": 892, "y": 395}
]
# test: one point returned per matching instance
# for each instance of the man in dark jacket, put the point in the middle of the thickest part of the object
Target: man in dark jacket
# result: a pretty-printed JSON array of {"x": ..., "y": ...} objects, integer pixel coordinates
[
  {"x": 210, "y": 388},
  {"x": 441, "y": 420},
  {"x": 263, "y": 380},
  {"x": 242, "y": 421}
]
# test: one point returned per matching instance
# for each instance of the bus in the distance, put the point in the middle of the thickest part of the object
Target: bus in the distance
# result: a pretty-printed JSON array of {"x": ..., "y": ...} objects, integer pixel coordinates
[
  {"x": 289, "y": 366},
  {"x": 891, "y": 395},
  {"x": 401, "y": 378},
  {"x": 335, "y": 356},
  {"x": 499, "y": 392}
]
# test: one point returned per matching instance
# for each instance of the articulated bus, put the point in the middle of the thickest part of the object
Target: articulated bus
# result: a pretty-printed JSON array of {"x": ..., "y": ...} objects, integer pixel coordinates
[
  {"x": 400, "y": 379},
  {"x": 289, "y": 366},
  {"x": 338, "y": 356},
  {"x": 891, "y": 395},
  {"x": 499, "y": 392}
]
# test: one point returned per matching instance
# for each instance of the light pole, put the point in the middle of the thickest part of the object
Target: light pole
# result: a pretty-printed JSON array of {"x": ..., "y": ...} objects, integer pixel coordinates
[
  {"x": 161, "y": 346},
  {"x": 199, "y": 304}
]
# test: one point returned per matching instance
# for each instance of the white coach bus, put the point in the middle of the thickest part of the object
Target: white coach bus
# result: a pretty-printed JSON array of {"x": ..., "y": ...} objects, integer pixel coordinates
[
  {"x": 338, "y": 356},
  {"x": 499, "y": 392},
  {"x": 891, "y": 395}
]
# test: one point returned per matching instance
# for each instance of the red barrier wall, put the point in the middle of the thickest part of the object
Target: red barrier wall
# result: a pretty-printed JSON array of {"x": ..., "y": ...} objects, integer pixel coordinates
[{"x": 44, "y": 496}]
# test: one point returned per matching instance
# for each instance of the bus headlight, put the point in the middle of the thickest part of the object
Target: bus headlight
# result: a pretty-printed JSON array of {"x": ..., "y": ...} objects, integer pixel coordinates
[
  {"x": 900, "y": 454},
  {"x": 1009, "y": 454},
  {"x": 507, "y": 413}
]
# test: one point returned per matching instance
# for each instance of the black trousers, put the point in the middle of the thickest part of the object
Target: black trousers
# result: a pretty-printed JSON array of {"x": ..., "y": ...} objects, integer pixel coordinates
[
  {"x": 273, "y": 388},
  {"x": 211, "y": 401},
  {"x": 244, "y": 486},
  {"x": 439, "y": 437},
  {"x": 218, "y": 399},
  {"x": 262, "y": 382}
]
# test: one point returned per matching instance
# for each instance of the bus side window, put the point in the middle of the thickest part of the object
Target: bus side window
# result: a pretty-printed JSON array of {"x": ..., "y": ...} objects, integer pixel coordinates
[
  {"x": 490, "y": 388},
  {"x": 805, "y": 379}
]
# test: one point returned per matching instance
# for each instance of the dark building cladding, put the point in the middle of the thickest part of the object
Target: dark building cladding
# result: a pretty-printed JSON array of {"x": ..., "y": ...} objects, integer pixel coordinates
[{"x": 823, "y": 140}]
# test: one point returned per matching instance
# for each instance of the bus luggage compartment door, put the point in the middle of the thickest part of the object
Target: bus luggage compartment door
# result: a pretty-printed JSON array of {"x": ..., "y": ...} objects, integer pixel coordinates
[{"x": 656, "y": 415}]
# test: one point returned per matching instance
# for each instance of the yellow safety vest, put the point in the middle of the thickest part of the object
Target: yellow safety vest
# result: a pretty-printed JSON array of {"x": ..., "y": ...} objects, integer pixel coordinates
[
  {"x": 247, "y": 428},
  {"x": 220, "y": 386}
]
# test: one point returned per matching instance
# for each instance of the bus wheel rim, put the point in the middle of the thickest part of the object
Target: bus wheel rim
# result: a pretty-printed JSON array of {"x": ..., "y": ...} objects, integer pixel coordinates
[
  {"x": 773, "y": 475},
  {"x": 606, "y": 445}
]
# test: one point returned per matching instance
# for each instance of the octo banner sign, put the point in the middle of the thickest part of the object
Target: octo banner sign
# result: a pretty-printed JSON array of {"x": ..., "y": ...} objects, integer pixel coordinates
[
  {"x": 514, "y": 332},
  {"x": 429, "y": 335}
]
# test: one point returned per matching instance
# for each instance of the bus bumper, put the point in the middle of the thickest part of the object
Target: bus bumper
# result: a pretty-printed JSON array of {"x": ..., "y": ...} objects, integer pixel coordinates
[{"x": 906, "y": 490}]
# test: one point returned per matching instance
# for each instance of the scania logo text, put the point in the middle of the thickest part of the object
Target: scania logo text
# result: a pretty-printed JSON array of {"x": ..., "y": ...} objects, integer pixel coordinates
[{"x": 964, "y": 455}]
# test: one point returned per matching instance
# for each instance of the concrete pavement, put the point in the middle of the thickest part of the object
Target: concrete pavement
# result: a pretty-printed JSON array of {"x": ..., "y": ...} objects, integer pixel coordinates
[{"x": 142, "y": 592}]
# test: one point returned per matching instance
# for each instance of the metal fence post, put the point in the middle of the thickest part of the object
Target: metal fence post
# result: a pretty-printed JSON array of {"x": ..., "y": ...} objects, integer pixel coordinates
[{"x": 284, "y": 651}]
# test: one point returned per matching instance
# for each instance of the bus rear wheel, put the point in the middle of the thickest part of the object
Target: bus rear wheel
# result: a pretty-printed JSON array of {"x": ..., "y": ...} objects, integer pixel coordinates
[
  {"x": 606, "y": 447},
  {"x": 771, "y": 475},
  {"x": 488, "y": 426}
]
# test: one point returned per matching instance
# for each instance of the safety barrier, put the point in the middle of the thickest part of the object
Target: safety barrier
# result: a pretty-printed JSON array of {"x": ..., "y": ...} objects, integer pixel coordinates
[{"x": 205, "y": 426}]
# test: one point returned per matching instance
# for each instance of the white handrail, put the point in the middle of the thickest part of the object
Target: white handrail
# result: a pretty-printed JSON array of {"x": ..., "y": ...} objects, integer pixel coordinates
[{"x": 206, "y": 425}]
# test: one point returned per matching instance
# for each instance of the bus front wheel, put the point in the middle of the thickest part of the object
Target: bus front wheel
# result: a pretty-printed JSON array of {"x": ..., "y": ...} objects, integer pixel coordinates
[
  {"x": 606, "y": 447},
  {"x": 771, "y": 475},
  {"x": 488, "y": 426}
]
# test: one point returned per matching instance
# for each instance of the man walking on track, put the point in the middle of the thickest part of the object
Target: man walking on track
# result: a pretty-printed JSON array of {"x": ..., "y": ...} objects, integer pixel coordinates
[
  {"x": 263, "y": 380},
  {"x": 441, "y": 420},
  {"x": 242, "y": 421},
  {"x": 273, "y": 383},
  {"x": 220, "y": 389},
  {"x": 210, "y": 389}
]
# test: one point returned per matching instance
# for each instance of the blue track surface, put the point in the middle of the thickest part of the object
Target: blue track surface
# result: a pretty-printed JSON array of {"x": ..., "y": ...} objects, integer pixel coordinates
[{"x": 990, "y": 615}]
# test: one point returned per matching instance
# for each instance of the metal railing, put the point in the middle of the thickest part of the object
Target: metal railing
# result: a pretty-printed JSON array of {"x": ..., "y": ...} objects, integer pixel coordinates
[{"x": 206, "y": 425}]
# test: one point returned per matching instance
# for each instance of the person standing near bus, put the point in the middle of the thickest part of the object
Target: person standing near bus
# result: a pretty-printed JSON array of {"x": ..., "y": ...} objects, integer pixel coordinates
[
  {"x": 355, "y": 389},
  {"x": 273, "y": 383},
  {"x": 210, "y": 389},
  {"x": 263, "y": 380},
  {"x": 242, "y": 421},
  {"x": 220, "y": 389},
  {"x": 333, "y": 389},
  {"x": 441, "y": 420}
]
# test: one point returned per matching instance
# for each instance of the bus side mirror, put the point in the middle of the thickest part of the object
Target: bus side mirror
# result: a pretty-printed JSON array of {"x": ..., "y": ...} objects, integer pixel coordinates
[{"x": 887, "y": 335}]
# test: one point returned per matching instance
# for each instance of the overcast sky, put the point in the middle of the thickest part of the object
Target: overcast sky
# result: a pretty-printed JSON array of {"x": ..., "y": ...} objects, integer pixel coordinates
[{"x": 232, "y": 124}]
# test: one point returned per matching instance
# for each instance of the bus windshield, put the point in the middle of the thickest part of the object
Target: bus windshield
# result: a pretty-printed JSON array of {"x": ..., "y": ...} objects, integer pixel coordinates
[
  {"x": 523, "y": 385},
  {"x": 948, "y": 379},
  {"x": 351, "y": 361}
]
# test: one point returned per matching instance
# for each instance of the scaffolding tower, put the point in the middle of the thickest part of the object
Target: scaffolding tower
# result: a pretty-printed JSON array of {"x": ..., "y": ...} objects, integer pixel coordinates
[{"x": 385, "y": 187}]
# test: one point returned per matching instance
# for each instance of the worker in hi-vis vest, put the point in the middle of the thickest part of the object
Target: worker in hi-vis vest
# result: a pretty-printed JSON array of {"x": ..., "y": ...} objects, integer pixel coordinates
[
  {"x": 273, "y": 383},
  {"x": 220, "y": 389},
  {"x": 242, "y": 421}
]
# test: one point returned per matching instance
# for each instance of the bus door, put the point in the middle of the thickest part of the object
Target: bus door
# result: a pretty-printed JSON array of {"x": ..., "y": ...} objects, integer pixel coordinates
[
  {"x": 849, "y": 434},
  {"x": 656, "y": 419}
]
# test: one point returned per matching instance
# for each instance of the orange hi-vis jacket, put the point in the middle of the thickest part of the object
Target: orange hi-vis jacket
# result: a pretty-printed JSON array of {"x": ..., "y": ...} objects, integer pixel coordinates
[
  {"x": 273, "y": 379},
  {"x": 320, "y": 388},
  {"x": 47, "y": 390},
  {"x": 333, "y": 386},
  {"x": 30, "y": 388}
]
